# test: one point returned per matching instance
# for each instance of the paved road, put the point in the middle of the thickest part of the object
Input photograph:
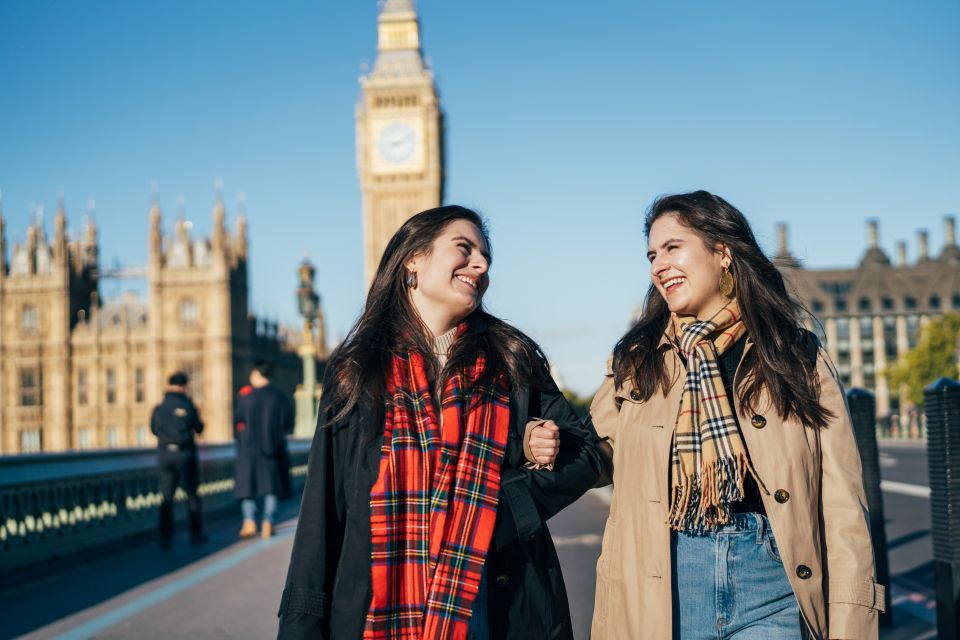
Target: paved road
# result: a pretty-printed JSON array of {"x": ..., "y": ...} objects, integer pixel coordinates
[
  {"x": 231, "y": 589},
  {"x": 903, "y": 467}
]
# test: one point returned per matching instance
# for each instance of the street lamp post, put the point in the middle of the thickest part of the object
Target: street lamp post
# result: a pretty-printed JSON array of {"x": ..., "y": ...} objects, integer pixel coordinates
[{"x": 308, "y": 303}]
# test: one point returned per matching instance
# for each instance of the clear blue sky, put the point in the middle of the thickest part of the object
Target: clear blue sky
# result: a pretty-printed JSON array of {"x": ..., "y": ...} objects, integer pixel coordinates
[{"x": 565, "y": 120}]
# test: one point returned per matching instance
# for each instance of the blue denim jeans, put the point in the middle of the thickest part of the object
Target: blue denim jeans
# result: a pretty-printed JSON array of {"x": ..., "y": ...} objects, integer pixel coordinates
[
  {"x": 248, "y": 506},
  {"x": 730, "y": 583}
]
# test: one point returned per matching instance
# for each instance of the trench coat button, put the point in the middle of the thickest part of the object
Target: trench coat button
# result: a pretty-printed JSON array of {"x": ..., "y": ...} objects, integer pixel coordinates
[
  {"x": 502, "y": 580},
  {"x": 758, "y": 422},
  {"x": 781, "y": 495},
  {"x": 635, "y": 395},
  {"x": 803, "y": 572}
]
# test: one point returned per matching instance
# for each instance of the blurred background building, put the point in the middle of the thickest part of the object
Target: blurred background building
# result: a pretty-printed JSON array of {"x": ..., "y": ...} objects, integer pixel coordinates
[
  {"x": 872, "y": 314},
  {"x": 80, "y": 373}
]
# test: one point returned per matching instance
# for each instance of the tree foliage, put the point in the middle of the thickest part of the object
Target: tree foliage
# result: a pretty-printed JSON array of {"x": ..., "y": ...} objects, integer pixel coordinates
[
  {"x": 580, "y": 404},
  {"x": 935, "y": 356}
]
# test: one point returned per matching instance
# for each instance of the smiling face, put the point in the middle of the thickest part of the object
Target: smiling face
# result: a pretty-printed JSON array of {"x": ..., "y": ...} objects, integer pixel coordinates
[
  {"x": 451, "y": 277},
  {"x": 685, "y": 270}
]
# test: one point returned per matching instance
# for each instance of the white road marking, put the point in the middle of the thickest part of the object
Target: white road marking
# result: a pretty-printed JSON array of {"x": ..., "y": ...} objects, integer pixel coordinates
[
  {"x": 915, "y": 490},
  {"x": 586, "y": 539}
]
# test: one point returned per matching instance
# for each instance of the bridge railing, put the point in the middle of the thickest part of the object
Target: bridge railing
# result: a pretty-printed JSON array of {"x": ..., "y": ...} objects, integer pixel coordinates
[{"x": 56, "y": 505}]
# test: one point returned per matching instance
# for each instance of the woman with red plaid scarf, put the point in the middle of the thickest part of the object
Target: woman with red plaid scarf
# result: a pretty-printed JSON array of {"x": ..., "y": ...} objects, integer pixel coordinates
[{"x": 422, "y": 517}]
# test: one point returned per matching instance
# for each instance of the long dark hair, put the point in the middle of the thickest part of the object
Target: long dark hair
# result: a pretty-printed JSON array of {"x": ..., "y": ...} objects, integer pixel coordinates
[
  {"x": 781, "y": 362},
  {"x": 390, "y": 323}
]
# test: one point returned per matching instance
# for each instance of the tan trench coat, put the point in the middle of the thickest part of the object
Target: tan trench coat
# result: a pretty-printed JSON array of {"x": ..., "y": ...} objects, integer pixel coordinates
[{"x": 822, "y": 525}]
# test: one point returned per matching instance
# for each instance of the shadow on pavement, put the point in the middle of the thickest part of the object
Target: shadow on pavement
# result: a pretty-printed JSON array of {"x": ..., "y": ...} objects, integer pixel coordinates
[
  {"x": 34, "y": 602},
  {"x": 907, "y": 538}
]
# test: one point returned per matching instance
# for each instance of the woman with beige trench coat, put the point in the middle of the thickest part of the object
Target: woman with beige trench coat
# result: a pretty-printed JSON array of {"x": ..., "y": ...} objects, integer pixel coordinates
[{"x": 738, "y": 508}]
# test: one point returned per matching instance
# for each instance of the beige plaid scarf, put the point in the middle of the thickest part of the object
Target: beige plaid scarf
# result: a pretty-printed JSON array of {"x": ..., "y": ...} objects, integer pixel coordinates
[{"x": 709, "y": 460}]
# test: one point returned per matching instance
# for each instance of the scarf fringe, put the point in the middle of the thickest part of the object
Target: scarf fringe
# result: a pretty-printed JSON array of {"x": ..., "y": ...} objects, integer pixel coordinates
[{"x": 701, "y": 501}]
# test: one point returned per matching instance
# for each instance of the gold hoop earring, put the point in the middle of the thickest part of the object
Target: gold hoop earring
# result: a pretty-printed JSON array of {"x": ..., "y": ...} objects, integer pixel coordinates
[{"x": 726, "y": 283}]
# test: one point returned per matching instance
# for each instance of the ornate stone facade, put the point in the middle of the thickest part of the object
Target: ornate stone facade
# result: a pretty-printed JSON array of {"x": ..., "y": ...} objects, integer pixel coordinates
[
  {"x": 399, "y": 133},
  {"x": 872, "y": 314},
  {"x": 78, "y": 373}
]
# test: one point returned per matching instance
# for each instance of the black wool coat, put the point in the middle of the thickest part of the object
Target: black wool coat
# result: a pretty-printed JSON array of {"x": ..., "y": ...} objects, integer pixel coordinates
[
  {"x": 327, "y": 591},
  {"x": 262, "y": 419}
]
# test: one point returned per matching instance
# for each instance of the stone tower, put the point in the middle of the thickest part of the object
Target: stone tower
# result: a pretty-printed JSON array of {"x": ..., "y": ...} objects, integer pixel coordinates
[
  {"x": 44, "y": 288},
  {"x": 399, "y": 132},
  {"x": 198, "y": 296}
]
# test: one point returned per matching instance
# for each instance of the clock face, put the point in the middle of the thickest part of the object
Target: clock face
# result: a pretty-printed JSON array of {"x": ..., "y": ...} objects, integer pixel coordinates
[
  {"x": 397, "y": 142},
  {"x": 397, "y": 145}
]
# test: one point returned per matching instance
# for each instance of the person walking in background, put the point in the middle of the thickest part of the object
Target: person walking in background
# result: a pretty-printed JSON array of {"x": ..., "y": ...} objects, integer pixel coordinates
[
  {"x": 738, "y": 507},
  {"x": 175, "y": 422},
  {"x": 262, "y": 420},
  {"x": 420, "y": 517}
]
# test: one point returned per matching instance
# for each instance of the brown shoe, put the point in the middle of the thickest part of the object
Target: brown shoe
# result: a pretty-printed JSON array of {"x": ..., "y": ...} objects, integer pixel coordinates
[
  {"x": 266, "y": 530},
  {"x": 249, "y": 529}
]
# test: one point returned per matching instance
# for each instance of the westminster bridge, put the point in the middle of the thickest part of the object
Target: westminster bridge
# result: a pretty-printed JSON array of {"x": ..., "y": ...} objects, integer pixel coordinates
[{"x": 79, "y": 556}]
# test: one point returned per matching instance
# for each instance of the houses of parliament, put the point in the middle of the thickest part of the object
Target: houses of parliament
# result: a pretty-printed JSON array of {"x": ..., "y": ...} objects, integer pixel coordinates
[{"x": 79, "y": 372}]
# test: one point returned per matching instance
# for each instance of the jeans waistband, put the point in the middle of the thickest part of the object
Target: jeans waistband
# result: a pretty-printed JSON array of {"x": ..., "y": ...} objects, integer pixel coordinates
[{"x": 739, "y": 523}]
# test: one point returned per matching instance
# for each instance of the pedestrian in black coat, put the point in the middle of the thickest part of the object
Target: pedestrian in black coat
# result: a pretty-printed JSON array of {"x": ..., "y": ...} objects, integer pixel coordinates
[
  {"x": 425, "y": 299},
  {"x": 262, "y": 420},
  {"x": 175, "y": 421}
]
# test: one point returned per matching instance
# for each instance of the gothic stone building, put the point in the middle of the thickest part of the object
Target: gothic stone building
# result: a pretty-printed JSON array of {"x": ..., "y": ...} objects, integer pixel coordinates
[
  {"x": 872, "y": 314},
  {"x": 78, "y": 373}
]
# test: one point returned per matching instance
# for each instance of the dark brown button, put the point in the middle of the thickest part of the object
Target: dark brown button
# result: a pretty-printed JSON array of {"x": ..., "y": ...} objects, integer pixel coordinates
[
  {"x": 781, "y": 495},
  {"x": 502, "y": 580},
  {"x": 635, "y": 395},
  {"x": 758, "y": 422},
  {"x": 803, "y": 572}
]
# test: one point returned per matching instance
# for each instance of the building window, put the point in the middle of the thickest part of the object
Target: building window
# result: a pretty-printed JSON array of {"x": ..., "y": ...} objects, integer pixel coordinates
[
  {"x": 890, "y": 338},
  {"x": 189, "y": 314},
  {"x": 817, "y": 306},
  {"x": 139, "y": 386},
  {"x": 864, "y": 304},
  {"x": 840, "y": 305},
  {"x": 866, "y": 328},
  {"x": 910, "y": 302},
  {"x": 111, "y": 376},
  {"x": 84, "y": 439},
  {"x": 843, "y": 329},
  {"x": 30, "y": 441},
  {"x": 913, "y": 331},
  {"x": 30, "y": 320},
  {"x": 955, "y": 301},
  {"x": 82, "y": 398},
  {"x": 934, "y": 302},
  {"x": 142, "y": 435},
  {"x": 887, "y": 304},
  {"x": 113, "y": 437},
  {"x": 30, "y": 387}
]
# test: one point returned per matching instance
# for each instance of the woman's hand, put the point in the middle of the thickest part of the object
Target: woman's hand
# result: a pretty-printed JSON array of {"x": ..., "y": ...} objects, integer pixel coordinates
[{"x": 542, "y": 442}]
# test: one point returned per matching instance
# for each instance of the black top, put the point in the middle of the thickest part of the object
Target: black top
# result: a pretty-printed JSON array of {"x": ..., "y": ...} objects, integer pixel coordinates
[
  {"x": 175, "y": 420},
  {"x": 729, "y": 361}
]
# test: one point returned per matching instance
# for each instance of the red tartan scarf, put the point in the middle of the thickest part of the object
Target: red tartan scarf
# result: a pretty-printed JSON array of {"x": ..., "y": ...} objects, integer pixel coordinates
[{"x": 434, "y": 504}]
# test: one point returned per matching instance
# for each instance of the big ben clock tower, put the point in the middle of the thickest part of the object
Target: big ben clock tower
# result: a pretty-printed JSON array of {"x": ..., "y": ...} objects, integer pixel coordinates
[{"x": 399, "y": 133}]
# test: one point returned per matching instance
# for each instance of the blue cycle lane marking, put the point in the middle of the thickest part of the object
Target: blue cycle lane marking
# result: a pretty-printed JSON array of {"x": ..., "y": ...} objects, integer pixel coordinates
[{"x": 121, "y": 613}]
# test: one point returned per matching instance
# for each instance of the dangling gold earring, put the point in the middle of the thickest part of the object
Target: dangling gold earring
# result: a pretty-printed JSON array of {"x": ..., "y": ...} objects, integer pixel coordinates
[{"x": 726, "y": 283}]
